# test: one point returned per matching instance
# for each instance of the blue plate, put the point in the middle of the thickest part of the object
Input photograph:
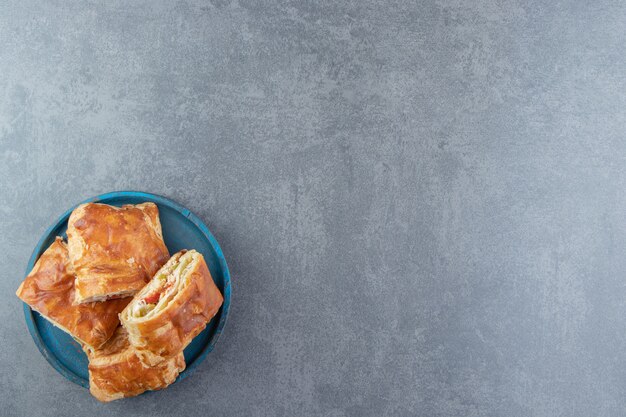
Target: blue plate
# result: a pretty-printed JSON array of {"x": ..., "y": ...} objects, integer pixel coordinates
[{"x": 181, "y": 230}]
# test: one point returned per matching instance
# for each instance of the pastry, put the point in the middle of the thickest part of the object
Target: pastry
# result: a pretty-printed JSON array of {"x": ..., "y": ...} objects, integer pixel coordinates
[
  {"x": 172, "y": 308},
  {"x": 49, "y": 289},
  {"x": 114, "y": 251},
  {"x": 115, "y": 370}
]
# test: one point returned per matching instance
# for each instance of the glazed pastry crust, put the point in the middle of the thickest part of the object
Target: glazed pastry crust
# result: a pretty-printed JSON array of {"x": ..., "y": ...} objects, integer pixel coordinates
[
  {"x": 168, "y": 330},
  {"x": 115, "y": 370},
  {"x": 49, "y": 289},
  {"x": 114, "y": 251}
]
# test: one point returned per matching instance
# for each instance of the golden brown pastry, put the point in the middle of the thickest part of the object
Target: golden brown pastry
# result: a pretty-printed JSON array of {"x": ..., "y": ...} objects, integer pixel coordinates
[
  {"x": 115, "y": 370},
  {"x": 49, "y": 289},
  {"x": 173, "y": 308},
  {"x": 114, "y": 250}
]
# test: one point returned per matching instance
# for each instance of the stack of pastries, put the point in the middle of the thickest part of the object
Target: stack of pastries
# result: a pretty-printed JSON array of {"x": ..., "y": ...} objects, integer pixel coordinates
[{"x": 115, "y": 269}]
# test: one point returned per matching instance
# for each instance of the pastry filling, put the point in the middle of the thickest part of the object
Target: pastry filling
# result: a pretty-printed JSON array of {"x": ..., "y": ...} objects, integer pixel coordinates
[{"x": 163, "y": 288}]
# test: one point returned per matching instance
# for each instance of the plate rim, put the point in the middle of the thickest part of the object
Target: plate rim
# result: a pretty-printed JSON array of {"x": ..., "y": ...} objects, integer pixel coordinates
[{"x": 28, "y": 312}]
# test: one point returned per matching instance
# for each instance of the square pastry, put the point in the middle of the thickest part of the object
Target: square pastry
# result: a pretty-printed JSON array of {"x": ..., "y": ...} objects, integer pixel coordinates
[
  {"x": 49, "y": 289},
  {"x": 114, "y": 251},
  {"x": 115, "y": 370}
]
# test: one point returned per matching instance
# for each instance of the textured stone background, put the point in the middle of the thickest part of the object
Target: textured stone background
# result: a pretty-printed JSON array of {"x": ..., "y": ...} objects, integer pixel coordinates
[{"x": 422, "y": 205}]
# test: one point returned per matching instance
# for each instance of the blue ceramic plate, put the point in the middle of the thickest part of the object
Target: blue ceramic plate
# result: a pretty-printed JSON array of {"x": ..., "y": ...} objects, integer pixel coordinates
[{"x": 181, "y": 230}]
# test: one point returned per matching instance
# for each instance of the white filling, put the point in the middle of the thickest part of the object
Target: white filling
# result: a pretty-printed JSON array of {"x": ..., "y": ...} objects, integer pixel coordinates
[{"x": 175, "y": 275}]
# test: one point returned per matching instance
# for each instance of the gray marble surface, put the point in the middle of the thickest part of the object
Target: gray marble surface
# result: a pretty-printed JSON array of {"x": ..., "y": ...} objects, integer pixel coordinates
[{"x": 422, "y": 203}]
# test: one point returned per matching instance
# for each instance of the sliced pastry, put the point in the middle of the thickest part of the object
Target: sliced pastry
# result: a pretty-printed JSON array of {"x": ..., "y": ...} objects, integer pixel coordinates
[
  {"x": 173, "y": 308},
  {"x": 114, "y": 251},
  {"x": 49, "y": 289}
]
